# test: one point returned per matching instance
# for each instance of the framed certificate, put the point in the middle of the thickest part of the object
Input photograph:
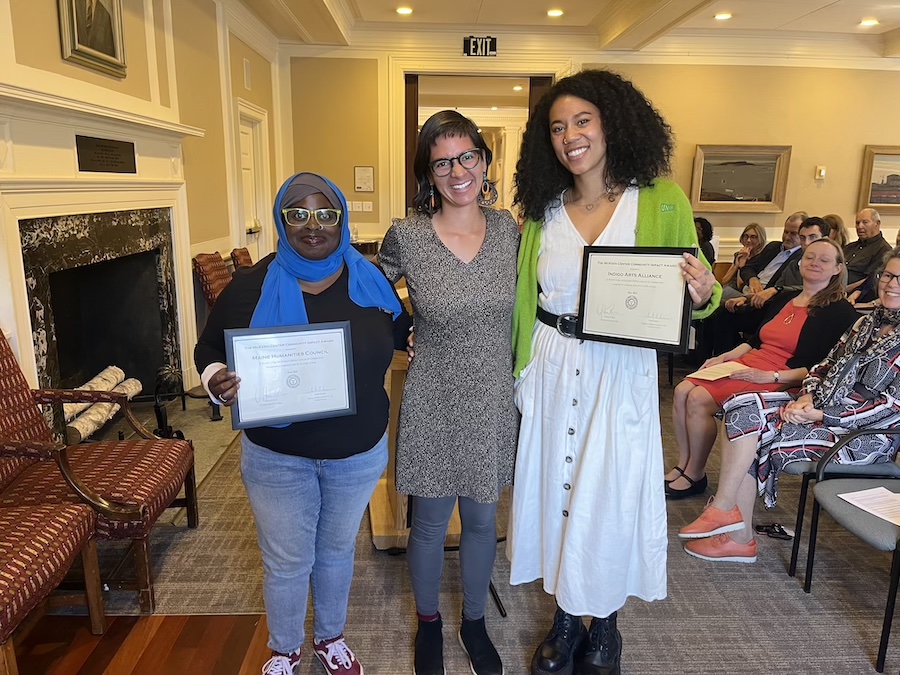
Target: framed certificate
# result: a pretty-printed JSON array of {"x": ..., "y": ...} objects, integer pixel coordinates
[
  {"x": 635, "y": 296},
  {"x": 291, "y": 373}
]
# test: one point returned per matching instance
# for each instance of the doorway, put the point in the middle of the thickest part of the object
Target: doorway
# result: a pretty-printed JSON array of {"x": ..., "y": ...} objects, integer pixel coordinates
[{"x": 253, "y": 154}]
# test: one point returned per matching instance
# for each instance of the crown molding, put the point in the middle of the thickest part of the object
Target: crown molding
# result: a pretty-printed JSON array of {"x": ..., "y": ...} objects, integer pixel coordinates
[
  {"x": 680, "y": 46},
  {"x": 245, "y": 25}
]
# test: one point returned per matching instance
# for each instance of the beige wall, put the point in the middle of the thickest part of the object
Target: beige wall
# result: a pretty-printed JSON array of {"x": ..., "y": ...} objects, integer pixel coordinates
[
  {"x": 335, "y": 118},
  {"x": 826, "y": 115},
  {"x": 162, "y": 64},
  {"x": 200, "y": 103},
  {"x": 260, "y": 92},
  {"x": 33, "y": 18}
]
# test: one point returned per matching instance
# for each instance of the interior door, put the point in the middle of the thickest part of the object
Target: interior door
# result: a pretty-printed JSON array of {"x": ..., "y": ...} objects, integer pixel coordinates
[{"x": 248, "y": 188}]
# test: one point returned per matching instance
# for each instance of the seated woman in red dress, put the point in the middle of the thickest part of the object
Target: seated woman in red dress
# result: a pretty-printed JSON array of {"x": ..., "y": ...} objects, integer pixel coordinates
[{"x": 797, "y": 331}]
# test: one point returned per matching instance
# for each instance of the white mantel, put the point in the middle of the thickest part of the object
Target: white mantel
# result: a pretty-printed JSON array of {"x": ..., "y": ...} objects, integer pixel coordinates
[{"x": 39, "y": 177}]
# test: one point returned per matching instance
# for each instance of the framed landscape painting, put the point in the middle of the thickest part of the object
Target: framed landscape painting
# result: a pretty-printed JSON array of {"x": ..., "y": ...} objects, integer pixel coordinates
[
  {"x": 879, "y": 187},
  {"x": 740, "y": 178},
  {"x": 91, "y": 34}
]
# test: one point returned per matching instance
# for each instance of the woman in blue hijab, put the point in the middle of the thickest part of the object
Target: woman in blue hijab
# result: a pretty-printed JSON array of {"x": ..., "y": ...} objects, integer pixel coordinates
[{"x": 309, "y": 482}]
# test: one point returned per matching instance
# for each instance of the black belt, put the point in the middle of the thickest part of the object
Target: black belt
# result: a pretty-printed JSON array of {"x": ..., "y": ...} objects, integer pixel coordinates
[{"x": 563, "y": 323}]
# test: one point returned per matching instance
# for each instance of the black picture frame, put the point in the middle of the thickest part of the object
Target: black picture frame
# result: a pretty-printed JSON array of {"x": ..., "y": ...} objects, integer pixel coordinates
[
  {"x": 283, "y": 334},
  {"x": 636, "y": 252}
]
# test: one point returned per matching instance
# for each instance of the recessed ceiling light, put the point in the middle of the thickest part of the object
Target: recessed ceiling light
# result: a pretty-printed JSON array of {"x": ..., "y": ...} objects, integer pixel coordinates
[
  {"x": 493, "y": 107},
  {"x": 554, "y": 12},
  {"x": 405, "y": 11},
  {"x": 723, "y": 16},
  {"x": 868, "y": 22},
  {"x": 518, "y": 87}
]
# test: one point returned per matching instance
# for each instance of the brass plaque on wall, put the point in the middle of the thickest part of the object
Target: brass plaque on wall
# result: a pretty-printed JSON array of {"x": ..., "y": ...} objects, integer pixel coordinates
[{"x": 105, "y": 155}]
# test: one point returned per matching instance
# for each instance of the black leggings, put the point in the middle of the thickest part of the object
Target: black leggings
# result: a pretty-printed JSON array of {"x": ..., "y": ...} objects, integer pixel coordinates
[{"x": 477, "y": 550}]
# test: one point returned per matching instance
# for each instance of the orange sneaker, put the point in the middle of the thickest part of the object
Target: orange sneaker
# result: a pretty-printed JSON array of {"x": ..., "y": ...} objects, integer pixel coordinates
[
  {"x": 722, "y": 548},
  {"x": 713, "y": 521}
]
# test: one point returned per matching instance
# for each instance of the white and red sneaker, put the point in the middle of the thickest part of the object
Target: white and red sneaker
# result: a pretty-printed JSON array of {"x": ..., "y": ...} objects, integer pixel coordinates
[
  {"x": 282, "y": 664},
  {"x": 336, "y": 656}
]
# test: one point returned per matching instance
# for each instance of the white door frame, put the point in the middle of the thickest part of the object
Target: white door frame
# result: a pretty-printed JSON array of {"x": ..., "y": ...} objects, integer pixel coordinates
[{"x": 258, "y": 120}]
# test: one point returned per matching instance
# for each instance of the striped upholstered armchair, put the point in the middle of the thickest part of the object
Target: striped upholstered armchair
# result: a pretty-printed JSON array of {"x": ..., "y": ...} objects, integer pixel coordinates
[
  {"x": 128, "y": 483},
  {"x": 38, "y": 545},
  {"x": 213, "y": 274}
]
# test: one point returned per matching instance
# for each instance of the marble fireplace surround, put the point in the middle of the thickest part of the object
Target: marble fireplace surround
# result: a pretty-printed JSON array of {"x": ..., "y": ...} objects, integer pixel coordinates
[
  {"x": 40, "y": 182},
  {"x": 65, "y": 242}
]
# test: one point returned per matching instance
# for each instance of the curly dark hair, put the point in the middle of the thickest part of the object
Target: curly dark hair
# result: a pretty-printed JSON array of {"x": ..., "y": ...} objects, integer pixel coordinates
[
  {"x": 639, "y": 142},
  {"x": 705, "y": 227},
  {"x": 439, "y": 125}
]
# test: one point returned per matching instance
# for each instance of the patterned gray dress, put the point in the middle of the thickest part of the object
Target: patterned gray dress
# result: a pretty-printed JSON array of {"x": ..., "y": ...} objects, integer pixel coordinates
[{"x": 458, "y": 420}]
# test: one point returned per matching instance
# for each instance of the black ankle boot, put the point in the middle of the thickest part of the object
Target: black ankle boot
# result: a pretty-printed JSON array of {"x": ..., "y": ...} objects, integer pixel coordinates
[
  {"x": 562, "y": 647},
  {"x": 429, "y": 658},
  {"x": 483, "y": 657},
  {"x": 604, "y": 648}
]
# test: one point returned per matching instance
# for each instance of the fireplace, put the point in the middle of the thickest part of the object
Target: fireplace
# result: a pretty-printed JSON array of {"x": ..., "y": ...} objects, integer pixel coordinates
[{"x": 101, "y": 291}]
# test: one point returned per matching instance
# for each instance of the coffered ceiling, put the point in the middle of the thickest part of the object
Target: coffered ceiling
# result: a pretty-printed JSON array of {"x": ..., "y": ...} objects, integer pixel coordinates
[{"x": 623, "y": 25}]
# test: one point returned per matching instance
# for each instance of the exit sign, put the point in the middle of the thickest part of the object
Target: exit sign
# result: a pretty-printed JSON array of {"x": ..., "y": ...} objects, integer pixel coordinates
[{"x": 480, "y": 46}]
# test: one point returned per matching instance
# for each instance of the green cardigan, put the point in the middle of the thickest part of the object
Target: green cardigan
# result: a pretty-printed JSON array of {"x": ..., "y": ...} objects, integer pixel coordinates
[{"x": 664, "y": 219}]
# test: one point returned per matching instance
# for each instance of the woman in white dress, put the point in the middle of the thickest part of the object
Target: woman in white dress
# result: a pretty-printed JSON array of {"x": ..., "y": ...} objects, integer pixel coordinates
[{"x": 588, "y": 513}]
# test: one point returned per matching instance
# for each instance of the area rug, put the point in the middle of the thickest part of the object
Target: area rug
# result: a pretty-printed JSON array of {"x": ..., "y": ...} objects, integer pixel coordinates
[{"x": 719, "y": 618}]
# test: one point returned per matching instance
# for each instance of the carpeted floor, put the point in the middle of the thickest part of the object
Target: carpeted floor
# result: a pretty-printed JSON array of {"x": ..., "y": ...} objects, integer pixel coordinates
[{"x": 720, "y": 618}]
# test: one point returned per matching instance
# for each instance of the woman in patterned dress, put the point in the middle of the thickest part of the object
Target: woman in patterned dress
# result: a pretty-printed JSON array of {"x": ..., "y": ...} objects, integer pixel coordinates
[
  {"x": 588, "y": 513},
  {"x": 797, "y": 330},
  {"x": 856, "y": 386},
  {"x": 458, "y": 422}
]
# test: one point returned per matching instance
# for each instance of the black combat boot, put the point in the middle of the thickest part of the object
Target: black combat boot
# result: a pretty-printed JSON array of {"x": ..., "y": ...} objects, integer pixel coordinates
[
  {"x": 562, "y": 647},
  {"x": 604, "y": 648}
]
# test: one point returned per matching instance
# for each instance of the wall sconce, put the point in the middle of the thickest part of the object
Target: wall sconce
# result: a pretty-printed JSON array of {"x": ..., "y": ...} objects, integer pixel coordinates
[{"x": 820, "y": 173}]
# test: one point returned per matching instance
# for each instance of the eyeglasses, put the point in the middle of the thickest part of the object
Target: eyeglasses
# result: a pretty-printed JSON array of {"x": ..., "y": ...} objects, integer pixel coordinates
[
  {"x": 467, "y": 160},
  {"x": 300, "y": 217},
  {"x": 887, "y": 278}
]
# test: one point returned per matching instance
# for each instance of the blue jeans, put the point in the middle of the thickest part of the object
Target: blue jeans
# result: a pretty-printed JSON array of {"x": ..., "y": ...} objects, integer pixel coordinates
[{"x": 307, "y": 514}]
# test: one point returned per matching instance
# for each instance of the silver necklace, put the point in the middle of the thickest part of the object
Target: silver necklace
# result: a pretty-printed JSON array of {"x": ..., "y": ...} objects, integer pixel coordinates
[{"x": 609, "y": 194}]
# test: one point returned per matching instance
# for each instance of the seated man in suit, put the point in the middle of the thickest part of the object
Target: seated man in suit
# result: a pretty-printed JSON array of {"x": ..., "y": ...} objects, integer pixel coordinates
[
  {"x": 864, "y": 256},
  {"x": 761, "y": 273},
  {"x": 788, "y": 276},
  {"x": 766, "y": 269}
]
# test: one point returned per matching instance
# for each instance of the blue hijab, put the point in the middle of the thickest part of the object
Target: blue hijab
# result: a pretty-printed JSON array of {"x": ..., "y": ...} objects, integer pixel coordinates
[{"x": 281, "y": 302}]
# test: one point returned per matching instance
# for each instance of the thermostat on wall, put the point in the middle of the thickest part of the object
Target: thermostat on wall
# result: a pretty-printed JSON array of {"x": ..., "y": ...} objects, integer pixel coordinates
[{"x": 364, "y": 178}]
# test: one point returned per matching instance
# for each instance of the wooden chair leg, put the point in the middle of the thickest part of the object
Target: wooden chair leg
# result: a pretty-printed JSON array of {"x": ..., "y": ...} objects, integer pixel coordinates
[
  {"x": 889, "y": 611},
  {"x": 8, "y": 658},
  {"x": 798, "y": 526},
  {"x": 92, "y": 587},
  {"x": 190, "y": 494},
  {"x": 811, "y": 548},
  {"x": 141, "y": 549}
]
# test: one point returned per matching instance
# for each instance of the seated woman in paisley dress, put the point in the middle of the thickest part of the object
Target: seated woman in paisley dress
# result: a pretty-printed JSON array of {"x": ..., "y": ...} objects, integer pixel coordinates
[{"x": 856, "y": 386}]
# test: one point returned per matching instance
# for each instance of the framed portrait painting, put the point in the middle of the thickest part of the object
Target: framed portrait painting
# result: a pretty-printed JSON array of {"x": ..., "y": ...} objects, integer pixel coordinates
[
  {"x": 740, "y": 178},
  {"x": 91, "y": 34},
  {"x": 879, "y": 187}
]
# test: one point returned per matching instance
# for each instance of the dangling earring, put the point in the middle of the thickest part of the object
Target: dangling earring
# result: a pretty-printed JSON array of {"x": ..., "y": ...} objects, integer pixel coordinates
[
  {"x": 488, "y": 195},
  {"x": 431, "y": 199}
]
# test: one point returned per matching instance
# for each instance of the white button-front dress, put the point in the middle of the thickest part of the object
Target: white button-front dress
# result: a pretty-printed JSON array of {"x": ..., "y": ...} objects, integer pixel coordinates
[{"x": 588, "y": 507}]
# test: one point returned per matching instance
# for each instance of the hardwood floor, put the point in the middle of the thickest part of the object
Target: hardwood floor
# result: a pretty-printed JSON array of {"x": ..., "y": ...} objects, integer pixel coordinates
[{"x": 151, "y": 645}]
